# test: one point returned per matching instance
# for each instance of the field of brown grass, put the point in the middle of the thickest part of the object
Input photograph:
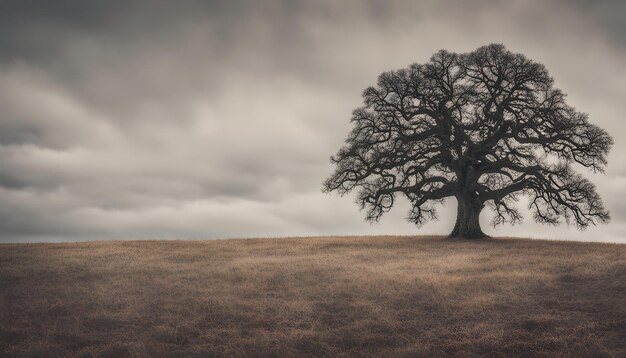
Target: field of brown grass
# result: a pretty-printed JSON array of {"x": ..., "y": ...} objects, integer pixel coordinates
[{"x": 335, "y": 296}]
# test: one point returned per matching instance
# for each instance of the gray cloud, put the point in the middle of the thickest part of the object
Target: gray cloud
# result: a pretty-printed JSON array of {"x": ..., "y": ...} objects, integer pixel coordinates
[{"x": 216, "y": 119}]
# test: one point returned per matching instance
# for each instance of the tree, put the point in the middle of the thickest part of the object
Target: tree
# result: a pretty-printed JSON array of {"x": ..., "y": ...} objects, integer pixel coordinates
[{"x": 483, "y": 127}]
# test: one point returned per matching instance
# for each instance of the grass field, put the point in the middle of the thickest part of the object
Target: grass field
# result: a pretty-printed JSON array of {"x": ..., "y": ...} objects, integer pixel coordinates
[{"x": 335, "y": 296}]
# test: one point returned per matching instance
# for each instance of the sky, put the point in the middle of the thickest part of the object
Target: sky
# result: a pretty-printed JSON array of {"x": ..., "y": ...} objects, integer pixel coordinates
[{"x": 211, "y": 120}]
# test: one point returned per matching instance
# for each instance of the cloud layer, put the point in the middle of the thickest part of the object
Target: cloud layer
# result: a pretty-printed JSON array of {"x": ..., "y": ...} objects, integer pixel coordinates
[{"x": 212, "y": 120}]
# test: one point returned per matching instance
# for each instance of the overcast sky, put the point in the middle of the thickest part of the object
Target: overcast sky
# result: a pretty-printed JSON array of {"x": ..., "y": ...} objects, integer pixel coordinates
[{"x": 200, "y": 120}]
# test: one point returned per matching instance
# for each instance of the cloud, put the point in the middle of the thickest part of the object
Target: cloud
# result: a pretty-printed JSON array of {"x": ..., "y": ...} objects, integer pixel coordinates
[{"x": 216, "y": 119}]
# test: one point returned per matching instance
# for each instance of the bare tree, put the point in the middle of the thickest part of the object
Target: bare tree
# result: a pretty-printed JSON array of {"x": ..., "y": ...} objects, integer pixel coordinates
[{"x": 483, "y": 127}]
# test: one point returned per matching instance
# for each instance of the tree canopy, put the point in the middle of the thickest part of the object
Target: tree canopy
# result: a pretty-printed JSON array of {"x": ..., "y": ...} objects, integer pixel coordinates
[{"x": 484, "y": 127}]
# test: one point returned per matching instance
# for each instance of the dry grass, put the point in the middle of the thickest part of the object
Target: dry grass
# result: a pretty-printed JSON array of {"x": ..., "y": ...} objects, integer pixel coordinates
[{"x": 348, "y": 296}]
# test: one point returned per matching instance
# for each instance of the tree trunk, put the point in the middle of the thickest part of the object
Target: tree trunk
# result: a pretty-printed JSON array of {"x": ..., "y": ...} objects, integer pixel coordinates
[{"x": 467, "y": 220}]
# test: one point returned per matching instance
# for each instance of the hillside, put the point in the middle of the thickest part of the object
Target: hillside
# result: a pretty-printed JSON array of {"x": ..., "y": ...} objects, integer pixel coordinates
[{"x": 365, "y": 296}]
